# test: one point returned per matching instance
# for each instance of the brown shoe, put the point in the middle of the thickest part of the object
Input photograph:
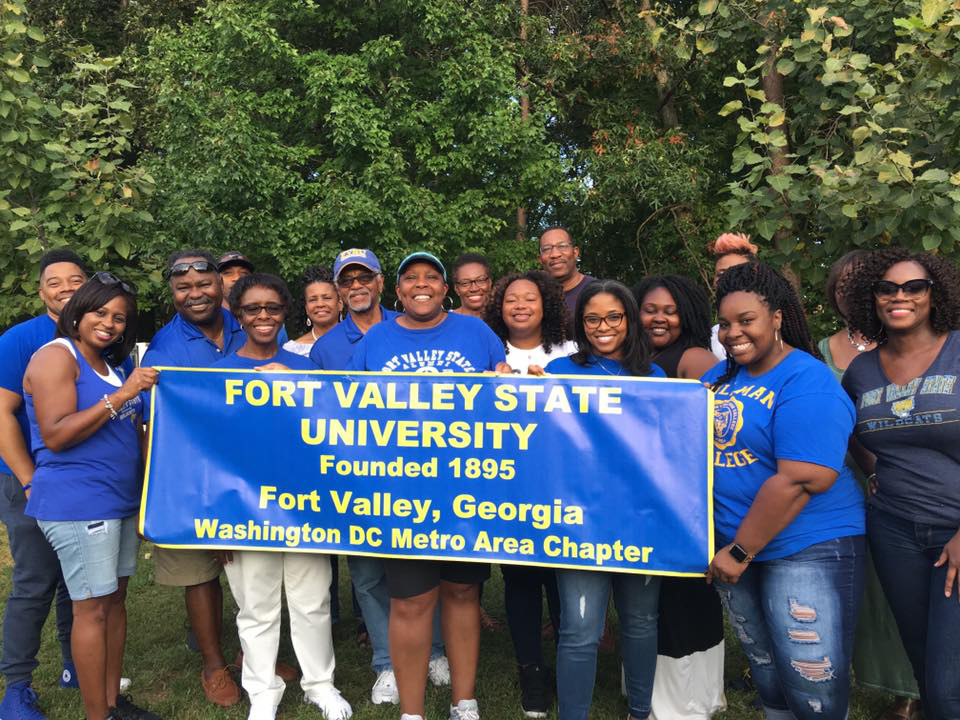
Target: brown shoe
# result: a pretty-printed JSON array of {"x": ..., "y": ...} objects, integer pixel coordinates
[
  {"x": 287, "y": 673},
  {"x": 220, "y": 689}
]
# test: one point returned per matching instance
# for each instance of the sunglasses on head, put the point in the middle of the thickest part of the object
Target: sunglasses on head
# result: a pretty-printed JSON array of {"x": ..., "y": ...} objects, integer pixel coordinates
[
  {"x": 108, "y": 278},
  {"x": 201, "y": 266},
  {"x": 911, "y": 288}
]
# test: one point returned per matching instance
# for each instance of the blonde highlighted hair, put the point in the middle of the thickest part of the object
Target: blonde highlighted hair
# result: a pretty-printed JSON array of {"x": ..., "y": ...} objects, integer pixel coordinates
[{"x": 733, "y": 244}]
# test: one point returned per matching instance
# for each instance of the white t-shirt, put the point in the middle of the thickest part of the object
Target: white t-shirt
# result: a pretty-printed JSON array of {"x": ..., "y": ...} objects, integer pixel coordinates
[
  {"x": 715, "y": 345},
  {"x": 520, "y": 360}
]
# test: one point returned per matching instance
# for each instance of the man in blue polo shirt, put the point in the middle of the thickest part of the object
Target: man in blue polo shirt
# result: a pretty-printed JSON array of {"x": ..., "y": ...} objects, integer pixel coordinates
[
  {"x": 359, "y": 280},
  {"x": 37, "y": 577},
  {"x": 200, "y": 334}
]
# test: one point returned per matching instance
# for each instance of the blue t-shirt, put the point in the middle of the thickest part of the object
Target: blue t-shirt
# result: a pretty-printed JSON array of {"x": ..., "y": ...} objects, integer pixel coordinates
[
  {"x": 333, "y": 350},
  {"x": 795, "y": 411},
  {"x": 17, "y": 346},
  {"x": 98, "y": 478},
  {"x": 458, "y": 344},
  {"x": 595, "y": 366},
  {"x": 284, "y": 357}
]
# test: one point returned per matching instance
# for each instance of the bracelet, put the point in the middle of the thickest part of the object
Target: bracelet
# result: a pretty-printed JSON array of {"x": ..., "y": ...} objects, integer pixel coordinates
[{"x": 109, "y": 406}]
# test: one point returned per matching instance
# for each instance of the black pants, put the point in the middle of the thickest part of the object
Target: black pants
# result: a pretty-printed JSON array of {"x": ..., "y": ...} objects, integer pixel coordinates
[{"x": 523, "y": 598}]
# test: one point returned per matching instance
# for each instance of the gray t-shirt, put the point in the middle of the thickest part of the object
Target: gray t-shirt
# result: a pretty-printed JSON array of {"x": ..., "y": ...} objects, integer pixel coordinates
[{"x": 914, "y": 431}]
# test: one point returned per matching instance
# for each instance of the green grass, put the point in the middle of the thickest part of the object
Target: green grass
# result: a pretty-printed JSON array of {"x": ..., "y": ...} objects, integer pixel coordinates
[{"x": 165, "y": 673}]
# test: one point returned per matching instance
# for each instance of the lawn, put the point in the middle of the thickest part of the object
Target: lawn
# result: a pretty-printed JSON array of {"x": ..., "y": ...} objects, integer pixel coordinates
[{"x": 165, "y": 672}]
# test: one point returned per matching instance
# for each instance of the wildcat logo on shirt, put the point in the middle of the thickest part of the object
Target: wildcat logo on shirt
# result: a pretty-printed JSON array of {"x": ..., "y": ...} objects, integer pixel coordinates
[
  {"x": 903, "y": 401},
  {"x": 902, "y": 408},
  {"x": 429, "y": 362}
]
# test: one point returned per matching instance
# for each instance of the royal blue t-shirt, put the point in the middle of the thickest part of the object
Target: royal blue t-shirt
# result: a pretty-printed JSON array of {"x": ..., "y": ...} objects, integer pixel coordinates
[
  {"x": 333, "y": 350},
  {"x": 284, "y": 357},
  {"x": 795, "y": 411},
  {"x": 595, "y": 366},
  {"x": 458, "y": 344}
]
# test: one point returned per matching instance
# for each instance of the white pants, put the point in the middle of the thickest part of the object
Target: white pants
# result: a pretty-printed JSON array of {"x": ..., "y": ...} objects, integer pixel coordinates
[{"x": 255, "y": 580}]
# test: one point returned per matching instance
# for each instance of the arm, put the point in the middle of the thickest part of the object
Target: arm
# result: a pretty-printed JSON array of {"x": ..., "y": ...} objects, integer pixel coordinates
[
  {"x": 13, "y": 449},
  {"x": 776, "y": 505},
  {"x": 52, "y": 382},
  {"x": 865, "y": 459},
  {"x": 695, "y": 363}
]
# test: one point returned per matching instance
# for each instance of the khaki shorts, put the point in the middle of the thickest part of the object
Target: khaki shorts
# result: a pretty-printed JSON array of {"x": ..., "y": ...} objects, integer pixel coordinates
[{"x": 182, "y": 568}]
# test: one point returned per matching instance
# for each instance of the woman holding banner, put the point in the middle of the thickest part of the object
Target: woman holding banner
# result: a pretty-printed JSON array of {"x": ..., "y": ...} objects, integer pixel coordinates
[
  {"x": 610, "y": 341},
  {"x": 261, "y": 302},
  {"x": 527, "y": 313},
  {"x": 86, "y": 426},
  {"x": 427, "y": 339},
  {"x": 675, "y": 313},
  {"x": 787, "y": 510}
]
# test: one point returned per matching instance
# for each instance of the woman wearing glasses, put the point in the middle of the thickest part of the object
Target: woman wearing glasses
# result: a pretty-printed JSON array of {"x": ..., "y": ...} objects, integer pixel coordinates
[
  {"x": 86, "y": 427},
  {"x": 788, "y": 513},
  {"x": 610, "y": 341},
  {"x": 472, "y": 281},
  {"x": 908, "y": 441},
  {"x": 261, "y": 302}
]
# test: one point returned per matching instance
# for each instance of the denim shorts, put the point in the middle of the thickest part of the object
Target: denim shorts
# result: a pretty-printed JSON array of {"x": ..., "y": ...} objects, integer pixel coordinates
[{"x": 93, "y": 553}]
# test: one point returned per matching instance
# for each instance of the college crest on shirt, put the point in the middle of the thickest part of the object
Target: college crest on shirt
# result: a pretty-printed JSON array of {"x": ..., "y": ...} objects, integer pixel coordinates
[{"x": 727, "y": 422}]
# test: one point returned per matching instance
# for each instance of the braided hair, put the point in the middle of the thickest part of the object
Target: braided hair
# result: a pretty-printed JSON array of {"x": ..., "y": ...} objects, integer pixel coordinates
[
  {"x": 857, "y": 291},
  {"x": 777, "y": 294},
  {"x": 553, "y": 328},
  {"x": 693, "y": 307}
]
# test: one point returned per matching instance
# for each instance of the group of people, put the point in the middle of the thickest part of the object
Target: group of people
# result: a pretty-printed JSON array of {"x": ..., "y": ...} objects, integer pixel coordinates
[{"x": 813, "y": 583}]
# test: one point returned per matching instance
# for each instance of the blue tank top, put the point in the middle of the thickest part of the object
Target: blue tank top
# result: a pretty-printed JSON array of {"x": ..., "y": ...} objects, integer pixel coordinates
[{"x": 97, "y": 479}]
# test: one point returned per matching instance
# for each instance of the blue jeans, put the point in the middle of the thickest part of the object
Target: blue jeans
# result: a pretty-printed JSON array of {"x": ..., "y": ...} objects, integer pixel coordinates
[
  {"x": 370, "y": 585},
  {"x": 584, "y": 595},
  {"x": 37, "y": 579},
  {"x": 929, "y": 623},
  {"x": 796, "y": 618}
]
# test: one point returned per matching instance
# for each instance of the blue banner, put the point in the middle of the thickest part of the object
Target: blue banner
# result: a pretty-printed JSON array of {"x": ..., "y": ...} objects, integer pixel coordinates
[{"x": 567, "y": 471}]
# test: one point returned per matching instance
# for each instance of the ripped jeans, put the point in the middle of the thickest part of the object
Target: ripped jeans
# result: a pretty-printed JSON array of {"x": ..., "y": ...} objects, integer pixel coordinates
[
  {"x": 583, "y": 610},
  {"x": 795, "y": 618}
]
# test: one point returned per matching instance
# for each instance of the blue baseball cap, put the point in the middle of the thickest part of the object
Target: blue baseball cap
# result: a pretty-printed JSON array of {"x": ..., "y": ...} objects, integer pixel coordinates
[
  {"x": 421, "y": 256},
  {"x": 355, "y": 256}
]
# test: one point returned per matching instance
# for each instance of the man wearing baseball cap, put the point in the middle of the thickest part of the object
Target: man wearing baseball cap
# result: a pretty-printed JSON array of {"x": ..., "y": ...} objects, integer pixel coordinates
[{"x": 232, "y": 266}]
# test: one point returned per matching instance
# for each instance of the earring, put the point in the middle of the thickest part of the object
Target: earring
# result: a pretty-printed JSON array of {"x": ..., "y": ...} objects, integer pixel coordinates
[
  {"x": 309, "y": 321},
  {"x": 447, "y": 309},
  {"x": 120, "y": 339},
  {"x": 397, "y": 306},
  {"x": 779, "y": 338}
]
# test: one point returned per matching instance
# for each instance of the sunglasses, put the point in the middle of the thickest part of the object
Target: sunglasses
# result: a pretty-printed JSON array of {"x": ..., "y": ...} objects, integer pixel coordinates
[
  {"x": 911, "y": 288},
  {"x": 108, "y": 278},
  {"x": 201, "y": 266},
  {"x": 273, "y": 309},
  {"x": 362, "y": 278}
]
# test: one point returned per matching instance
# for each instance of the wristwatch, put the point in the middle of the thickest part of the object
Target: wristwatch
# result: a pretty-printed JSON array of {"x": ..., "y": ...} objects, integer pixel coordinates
[{"x": 739, "y": 554}]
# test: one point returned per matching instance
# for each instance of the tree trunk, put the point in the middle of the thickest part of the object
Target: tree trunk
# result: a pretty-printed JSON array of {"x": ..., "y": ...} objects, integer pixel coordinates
[
  {"x": 772, "y": 84},
  {"x": 668, "y": 111}
]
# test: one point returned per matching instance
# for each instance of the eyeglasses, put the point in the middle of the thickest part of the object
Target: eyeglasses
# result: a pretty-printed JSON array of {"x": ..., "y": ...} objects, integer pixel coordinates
[
  {"x": 362, "y": 278},
  {"x": 464, "y": 284},
  {"x": 108, "y": 278},
  {"x": 201, "y": 266},
  {"x": 273, "y": 309},
  {"x": 613, "y": 320},
  {"x": 561, "y": 247},
  {"x": 911, "y": 288}
]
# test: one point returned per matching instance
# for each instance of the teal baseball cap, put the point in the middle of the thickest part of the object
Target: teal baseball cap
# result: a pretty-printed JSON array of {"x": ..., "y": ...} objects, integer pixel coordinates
[{"x": 421, "y": 256}]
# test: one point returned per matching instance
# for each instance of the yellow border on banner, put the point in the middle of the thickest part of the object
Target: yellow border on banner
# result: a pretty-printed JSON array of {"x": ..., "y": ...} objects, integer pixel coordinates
[{"x": 388, "y": 556}]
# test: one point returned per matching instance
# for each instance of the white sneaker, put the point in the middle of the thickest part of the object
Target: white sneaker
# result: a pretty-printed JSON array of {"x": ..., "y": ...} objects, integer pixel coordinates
[
  {"x": 262, "y": 711},
  {"x": 439, "y": 670},
  {"x": 124, "y": 684},
  {"x": 465, "y": 710},
  {"x": 408, "y": 716},
  {"x": 385, "y": 689},
  {"x": 331, "y": 703}
]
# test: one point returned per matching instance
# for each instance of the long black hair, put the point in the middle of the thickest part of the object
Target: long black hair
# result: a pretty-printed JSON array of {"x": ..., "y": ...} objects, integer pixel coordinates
[
  {"x": 693, "y": 307},
  {"x": 777, "y": 294},
  {"x": 636, "y": 352},
  {"x": 553, "y": 328},
  {"x": 90, "y": 297}
]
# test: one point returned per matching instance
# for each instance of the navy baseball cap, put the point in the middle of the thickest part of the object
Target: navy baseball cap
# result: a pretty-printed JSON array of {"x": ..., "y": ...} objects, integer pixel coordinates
[
  {"x": 231, "y": 258},
  {"x": 355, "y": 256},
  {"x": 421, "y": 256}
]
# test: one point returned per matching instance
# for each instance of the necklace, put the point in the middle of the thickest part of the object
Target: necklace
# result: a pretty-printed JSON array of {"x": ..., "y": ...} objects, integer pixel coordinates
[
  {"x": 607, "y": 370},
  {"x": 860, "y": 346},
  {"x": 314, "y": 333}
]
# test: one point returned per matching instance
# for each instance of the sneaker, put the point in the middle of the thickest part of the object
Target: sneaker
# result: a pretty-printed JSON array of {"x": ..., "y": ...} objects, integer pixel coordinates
[
  {"x": 408, "y": 716},
  {"x": 20, "y": 703},
  {"x": 125, "y": 684},
  {"x": 465, "y": 710},
  {"x": 385, "y": 689},
  {"x": 126, "y": 710},
  {"x": 68, "y": 677},
  {"x": 439, "y": 671},
  {"x": 221, "y": 689},
  {"x": 331, "y": 703},
  {"x": 262, "y": 711},
  {"x": 535, "y": 696}
]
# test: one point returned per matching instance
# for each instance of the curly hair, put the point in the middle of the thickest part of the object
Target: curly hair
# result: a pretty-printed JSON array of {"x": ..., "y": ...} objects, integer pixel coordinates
[
  {"x": 468, "y": 258},
  {"x": 264, "y": 280},
  {"x": 836, "y": 273},
  {"x": 693, "y": 307},
  {"x": 553, "y": 328},
  {"x": 733, "y": 244},
  {"x": 857, "y": 291},
  {"x": 316, "y": 274},
  {"x": 777, "y": 294},
  {"x": 636, "y": 351}
]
